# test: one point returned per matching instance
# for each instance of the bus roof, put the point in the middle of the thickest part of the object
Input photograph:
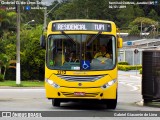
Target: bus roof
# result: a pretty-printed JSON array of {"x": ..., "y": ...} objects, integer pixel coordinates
[{"x": 82, "y": 20}]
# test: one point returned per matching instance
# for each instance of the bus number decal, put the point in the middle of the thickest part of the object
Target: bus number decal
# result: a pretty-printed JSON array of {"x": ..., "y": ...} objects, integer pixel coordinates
[{"x": 61, "y": 72}]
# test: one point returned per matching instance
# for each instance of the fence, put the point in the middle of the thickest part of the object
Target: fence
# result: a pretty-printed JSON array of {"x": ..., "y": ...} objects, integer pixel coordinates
[{"x": 130, "y": 56}]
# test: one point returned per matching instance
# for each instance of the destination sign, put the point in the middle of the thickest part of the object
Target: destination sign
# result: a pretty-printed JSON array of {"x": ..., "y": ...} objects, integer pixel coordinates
[{"x": 82, "y": 26}]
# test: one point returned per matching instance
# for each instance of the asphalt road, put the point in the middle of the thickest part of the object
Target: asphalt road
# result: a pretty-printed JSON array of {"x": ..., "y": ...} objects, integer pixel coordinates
[{"x": 22, "y": 99}]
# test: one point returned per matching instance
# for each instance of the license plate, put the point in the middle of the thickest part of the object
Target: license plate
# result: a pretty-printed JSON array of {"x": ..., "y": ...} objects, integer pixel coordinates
[{"x": 79, "y": 93}]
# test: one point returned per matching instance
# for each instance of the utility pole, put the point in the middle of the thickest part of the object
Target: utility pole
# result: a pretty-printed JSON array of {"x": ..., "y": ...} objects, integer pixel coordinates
[
  {"x": 45, "y": 16},
  {"x": 157, "y": 28},
  {"x": 45, "y": 19},
  {"x": 18, "y": 70},
  {"x": 141, "y": 30}
]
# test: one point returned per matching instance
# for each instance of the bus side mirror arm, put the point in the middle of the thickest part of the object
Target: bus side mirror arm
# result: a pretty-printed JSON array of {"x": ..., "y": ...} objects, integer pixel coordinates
[
  {"x": 120, "y": 42},
  {"x": 43, "y": 41}
]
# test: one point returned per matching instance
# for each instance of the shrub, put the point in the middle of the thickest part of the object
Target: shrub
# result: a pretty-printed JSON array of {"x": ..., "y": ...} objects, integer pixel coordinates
[
  {"x": 129, "y": 67},
  {"x": 10, "y": 74},
  {"x": 123, "y": 63},
  {"x": 140, "y": 71},
  {"x": 1, "y": 78}
]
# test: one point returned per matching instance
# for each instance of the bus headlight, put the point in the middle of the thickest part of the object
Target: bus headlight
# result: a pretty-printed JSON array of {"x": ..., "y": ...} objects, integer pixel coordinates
[
  {"x": 51, "y": 82},
  {"x": 109, "y": 84}
]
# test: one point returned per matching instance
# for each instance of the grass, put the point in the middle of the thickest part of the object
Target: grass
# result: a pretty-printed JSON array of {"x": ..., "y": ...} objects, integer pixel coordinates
[{"x": 23, "y": 83}]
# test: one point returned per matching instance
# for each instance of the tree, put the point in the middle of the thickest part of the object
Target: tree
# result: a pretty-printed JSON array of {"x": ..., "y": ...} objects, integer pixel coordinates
[
  {"x": 153, "y": 15},
  {"x": 144, "y": 24},
  {"x": 82, "y": 9},
  {"x": 134, "y": 30},
  {"x": 4, "y": 62},
  {"x": 125, "y": 16},
  {"x": 7, "y": 19},
  {"x": 138, "y": 12},
  {"x": 66, "y": 11},
  {"x": 2, "y": 47},
  {"x": 32, "y": 55},
  {"x": 144, "y": 21},
  {"x": 8, "y": 43}
]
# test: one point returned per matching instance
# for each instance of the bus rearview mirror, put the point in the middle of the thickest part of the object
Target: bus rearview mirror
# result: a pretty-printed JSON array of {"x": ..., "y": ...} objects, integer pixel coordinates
[
  {"x": 42, "y": 41},
  {"x": 120, "y": 42}
]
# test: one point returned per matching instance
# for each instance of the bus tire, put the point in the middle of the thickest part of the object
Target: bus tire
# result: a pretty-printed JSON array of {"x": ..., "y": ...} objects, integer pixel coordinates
[
  {"x": 111, "y": 104},
  {"x": 56, "y": 102}
]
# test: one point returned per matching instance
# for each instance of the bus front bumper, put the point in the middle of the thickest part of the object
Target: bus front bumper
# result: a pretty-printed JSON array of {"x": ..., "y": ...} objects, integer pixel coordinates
[{"x": 81, "y": 93}]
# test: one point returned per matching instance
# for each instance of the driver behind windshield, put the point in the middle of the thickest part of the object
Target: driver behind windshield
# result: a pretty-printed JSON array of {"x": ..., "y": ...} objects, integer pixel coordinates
[{"x": 102, "y": 52}]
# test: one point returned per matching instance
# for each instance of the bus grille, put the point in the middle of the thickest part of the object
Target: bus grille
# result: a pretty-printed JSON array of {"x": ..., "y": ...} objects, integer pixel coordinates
[
  {"x": 71, "y": 94},
  {"x": 81, "y": 78}
]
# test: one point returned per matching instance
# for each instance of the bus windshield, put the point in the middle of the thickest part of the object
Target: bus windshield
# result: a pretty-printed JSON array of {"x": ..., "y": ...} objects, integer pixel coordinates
[{"x": 81, "y": 51}]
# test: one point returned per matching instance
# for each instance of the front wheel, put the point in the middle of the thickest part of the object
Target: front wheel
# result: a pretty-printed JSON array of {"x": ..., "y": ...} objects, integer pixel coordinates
[
  {"x": 56, "y": 102},
  {"x": 111, "y": 104}
]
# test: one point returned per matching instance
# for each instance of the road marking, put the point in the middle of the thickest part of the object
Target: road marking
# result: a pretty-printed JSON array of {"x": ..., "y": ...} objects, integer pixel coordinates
[
  {"x": 134, "y": 86},
  {"x": 137, "y": 77}
]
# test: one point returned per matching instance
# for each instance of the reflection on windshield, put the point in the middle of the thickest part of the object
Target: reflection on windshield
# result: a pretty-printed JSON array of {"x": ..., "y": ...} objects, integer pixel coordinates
[{"x": 81, "y": 52}]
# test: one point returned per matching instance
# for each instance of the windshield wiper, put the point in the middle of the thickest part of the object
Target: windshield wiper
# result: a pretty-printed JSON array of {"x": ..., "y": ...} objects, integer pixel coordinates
[
  {"x": 67, "y": 36},
  {"x": 93, "y": 38}
]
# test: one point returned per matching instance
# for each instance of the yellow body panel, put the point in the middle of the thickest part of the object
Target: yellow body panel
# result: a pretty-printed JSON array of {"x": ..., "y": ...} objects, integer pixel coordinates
[{"x": 87, "y": 87}]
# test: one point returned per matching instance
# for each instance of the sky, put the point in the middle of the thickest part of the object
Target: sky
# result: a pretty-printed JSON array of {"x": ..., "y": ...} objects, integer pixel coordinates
[{"x": 48, "y": 2}]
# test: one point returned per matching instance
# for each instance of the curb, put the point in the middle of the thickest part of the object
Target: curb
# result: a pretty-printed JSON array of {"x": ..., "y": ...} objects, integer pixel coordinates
[
  {"x": 152, "y": 104},
  {"x": 8, "y": 87},
  {"x": 149, "y": 104}
]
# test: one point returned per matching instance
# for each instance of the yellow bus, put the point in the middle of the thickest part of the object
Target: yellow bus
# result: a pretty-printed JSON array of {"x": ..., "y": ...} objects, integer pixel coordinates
[{"x": 76, "y": 69}]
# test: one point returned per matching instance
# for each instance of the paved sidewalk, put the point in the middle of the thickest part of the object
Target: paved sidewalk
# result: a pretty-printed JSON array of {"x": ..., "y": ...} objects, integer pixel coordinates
[
  {"x": 131, "y": 73},
  {"x": 135, "y": 74}
]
